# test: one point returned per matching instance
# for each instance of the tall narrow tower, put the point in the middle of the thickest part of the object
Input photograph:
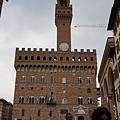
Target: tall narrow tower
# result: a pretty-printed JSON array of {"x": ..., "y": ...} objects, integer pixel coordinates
[{"x": 63, "y": 18}]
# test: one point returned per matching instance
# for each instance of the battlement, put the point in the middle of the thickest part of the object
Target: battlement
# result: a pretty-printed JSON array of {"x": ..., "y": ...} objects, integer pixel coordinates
[{"x": 53, "y": 50}]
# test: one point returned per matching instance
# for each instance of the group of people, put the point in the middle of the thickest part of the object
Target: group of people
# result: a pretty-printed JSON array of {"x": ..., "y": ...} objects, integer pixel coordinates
[{"x": 101, "y": 113}]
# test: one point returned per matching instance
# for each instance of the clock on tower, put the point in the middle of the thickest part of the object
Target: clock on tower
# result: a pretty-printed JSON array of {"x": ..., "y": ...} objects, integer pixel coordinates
[{"x": 63, "y": 18}]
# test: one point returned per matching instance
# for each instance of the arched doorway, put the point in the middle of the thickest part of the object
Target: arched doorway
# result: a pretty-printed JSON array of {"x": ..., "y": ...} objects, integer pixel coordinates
[{"x": 80, "y": 118}]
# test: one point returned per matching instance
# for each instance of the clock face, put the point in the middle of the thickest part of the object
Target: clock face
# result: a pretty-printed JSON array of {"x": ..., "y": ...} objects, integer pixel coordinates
[{"x": 64, "y": 46}]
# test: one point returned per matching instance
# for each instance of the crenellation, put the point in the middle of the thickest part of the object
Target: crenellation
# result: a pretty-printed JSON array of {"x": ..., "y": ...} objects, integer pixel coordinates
[
  {"x": 34, "y": 49},
  {"x": 75, "y": 50},
  {"x": 88, "y": 50},
  {"x": 46, "y": 49},
  {"x": 23, "y": 49},
  {"x": 82, "y": 50},
  {"x": 94, "y": 50},
  {"x": 40, "y": 49},
  {"x": 52, "y": 50},
  {"x": 29, "y": 49}
]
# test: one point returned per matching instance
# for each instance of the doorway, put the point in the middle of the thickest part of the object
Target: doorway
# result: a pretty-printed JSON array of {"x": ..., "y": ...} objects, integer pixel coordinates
[{"x": 80, "y": 118}]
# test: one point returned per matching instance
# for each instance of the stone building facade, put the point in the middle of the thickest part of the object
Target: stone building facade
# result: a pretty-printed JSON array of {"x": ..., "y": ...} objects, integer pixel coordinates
[
  {"x": 50, "y": 83},
  {"x": 109, "y": 73},
  {"x": 5, "y": 110}
]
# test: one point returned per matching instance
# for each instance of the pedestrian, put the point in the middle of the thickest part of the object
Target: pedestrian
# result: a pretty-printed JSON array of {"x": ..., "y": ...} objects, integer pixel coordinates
[
  {"x": 69, "y": 116},
  {"x": 101, "y": 113}
]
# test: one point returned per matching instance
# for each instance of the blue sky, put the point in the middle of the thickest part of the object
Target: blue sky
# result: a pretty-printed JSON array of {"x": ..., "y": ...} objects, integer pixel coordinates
[{"x": 31, "y": 24}]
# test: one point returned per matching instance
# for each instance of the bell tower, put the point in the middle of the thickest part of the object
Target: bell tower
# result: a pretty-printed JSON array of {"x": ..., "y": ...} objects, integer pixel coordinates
[{"x": 63, "y": 18}]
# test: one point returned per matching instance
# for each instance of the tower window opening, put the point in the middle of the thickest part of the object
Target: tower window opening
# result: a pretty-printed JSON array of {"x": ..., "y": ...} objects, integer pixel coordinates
[
  {"x": 32, "y": 57},
  {"x": 44, "y": 58},
  {"x": 61, "y": 58},
  {"x": 85, "y": 59},
  {"x": 26, "y": 57},
  {"x": 79, "y": 59},
  {"x": 55, "y": 58},
  {"x": 91, "y": 58},
  {"x": 38, "y": 58},
  {"x": 73, "y": 58},
  {"x": 20, "y": 57}
]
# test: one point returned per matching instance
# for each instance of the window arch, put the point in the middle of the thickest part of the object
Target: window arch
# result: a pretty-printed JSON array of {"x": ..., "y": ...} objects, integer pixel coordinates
[
  {"x": 79, "y": 80},
  {"x": 20, "y": 58},
  {"x": 31, "y": 100},
  {"x": 61, "y": 58},
  {"x": 23, "y": 79},
  {"x": 88, "y": 80},
  {"x": 32, "y": 57},
  {"x": 42, "y": 100},
  {"x": 64, "y": 101},
  {"x": 21, "y": 99},
  {"x": 88, "y": 90},
  {"x": 67, "y": 58},
  {"x": 44, "y": 58},
  {"x": 80, "y": 100},
  {"x": 79, "y": 90},
  {"x": 33, "y": 79},
  {"x": 26, "y": 57},
  {"x": 38, "y": 57},
  {"x": 63, "y": 80},
  {"x": 89, "y": 100},
  {"x": 42, "y": 79}
]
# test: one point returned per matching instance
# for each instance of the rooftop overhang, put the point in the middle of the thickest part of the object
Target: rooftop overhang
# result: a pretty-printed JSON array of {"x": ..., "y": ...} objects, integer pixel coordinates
[
  {"x": 114, "y": 10},
  {"x": 108, "y": 53}
]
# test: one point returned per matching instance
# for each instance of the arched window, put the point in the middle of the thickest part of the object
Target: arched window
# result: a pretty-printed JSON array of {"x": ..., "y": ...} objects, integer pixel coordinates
[
  {"x": 20, "y": 58},
  {"x": 64, "y": 91},
  {"x": 34, "y": 68},
  {"x": 23, "y": 79},
  {"x": 81, "y": 68},
  {"x": 88, "y": 90},
  {"x": 63, "y": 80},
  {"x": 32, "y": 57},
  {"x": 88, "y": 81},
  {"x": 32, "y": 79},
  {"x": 31, "y": 100},
  {"x": 67, "y": 58},
  {"x": 26, "y": 57},
  {"x": 42, "y": 100},
  {"x": 80, "y": 100},
  {"x": 79, "y": 90},
  {"x": 64, "y": 101},
  {"x": 61, "y": 58},
  {"x": 21, "y": 99},
  {"x": 89, "y": 100},
  {"x": 44, "y": 58},
  {"x": 38, "y": 58},
  {"x": 79, "y": 80},
  {"x": 42, "y": 79}
]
